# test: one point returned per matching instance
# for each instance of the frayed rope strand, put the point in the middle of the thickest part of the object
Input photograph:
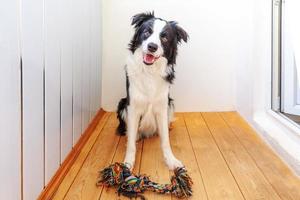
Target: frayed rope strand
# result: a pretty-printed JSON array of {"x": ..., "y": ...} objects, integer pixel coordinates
[{"x": 132, "y": 185}]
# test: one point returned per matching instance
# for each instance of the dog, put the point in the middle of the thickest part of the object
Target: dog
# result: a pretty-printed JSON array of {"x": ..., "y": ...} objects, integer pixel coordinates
[{"x": 148, "y": 107}]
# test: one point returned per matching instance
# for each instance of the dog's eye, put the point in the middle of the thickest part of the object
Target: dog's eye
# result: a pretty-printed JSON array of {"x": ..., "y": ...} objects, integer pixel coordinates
[
  {"x": 164, "y": 38},
  {"x": 147, "y": 33}
]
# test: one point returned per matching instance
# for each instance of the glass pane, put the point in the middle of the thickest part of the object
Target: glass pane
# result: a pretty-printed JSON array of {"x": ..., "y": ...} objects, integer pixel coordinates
[{"x": 286, "y": 59}]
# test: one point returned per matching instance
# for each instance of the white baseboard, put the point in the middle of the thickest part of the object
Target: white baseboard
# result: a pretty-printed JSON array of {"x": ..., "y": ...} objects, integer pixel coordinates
[{"x": 282, "y": 135}]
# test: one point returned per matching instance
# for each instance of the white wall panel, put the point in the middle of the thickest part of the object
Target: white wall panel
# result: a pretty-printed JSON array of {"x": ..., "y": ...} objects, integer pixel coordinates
[
  {"x": 33, "y": 104},
  {"x": 52, "y": 87},
  {"x": 92, "y": 59},
  {"x": 10, "y": 102},
  {"x": 66, "y": 79},
  {"x": 85, "y": 41},
  {"x": 77, "y": 70},
  {"x": 97, "y": 40},
  {"x": 81, "y": 23}
]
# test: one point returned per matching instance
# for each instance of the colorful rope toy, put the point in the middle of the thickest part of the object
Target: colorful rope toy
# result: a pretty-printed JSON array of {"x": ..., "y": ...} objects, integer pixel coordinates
[{"x": 132, "y": 185}]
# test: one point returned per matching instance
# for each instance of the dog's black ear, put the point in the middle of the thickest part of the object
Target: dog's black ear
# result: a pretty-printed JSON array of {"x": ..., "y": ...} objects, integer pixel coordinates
[
  {"x": 180, "y": 32},
  {"x": 139, "y": 19}
]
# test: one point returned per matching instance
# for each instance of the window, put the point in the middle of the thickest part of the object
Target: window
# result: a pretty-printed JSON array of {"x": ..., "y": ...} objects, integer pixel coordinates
[{"x": 286, "y": 58}]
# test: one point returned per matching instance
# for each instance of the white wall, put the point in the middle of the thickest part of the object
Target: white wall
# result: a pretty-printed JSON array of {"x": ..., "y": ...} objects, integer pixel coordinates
[
  {"x": 205, "y": 71},
  {"x": 50, "y": 87},
  {"x": 254, "y": 78}
]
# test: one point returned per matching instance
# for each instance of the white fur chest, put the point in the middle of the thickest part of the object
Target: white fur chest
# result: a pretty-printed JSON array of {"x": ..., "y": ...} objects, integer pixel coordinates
[{"x": 147, "y": 86}]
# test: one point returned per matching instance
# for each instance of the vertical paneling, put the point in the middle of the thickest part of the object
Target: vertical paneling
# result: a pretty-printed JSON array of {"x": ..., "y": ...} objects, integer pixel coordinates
[
  {"x": 92, "y": 59},
  {"x": 97, "y": 39},
  {"x": 52, "y": 87},
  {"x": 66, "y": 79},
  {"x": 88, "y": 59},
  {"x": 32, "y": 31},
  {"x": 10, "y": 104},
  {"x": 82, "y": 61},
  {"x": 85, "y": 62},
  {"x": 77, "y": 72}
]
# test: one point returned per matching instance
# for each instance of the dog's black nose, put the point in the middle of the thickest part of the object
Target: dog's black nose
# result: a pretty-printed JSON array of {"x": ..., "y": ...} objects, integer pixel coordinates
[{"x": 152, "y": 47}]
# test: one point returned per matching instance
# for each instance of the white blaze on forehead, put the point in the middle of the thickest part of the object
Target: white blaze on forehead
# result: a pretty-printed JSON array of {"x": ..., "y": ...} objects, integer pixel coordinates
[{"x": 158, "y": 26}]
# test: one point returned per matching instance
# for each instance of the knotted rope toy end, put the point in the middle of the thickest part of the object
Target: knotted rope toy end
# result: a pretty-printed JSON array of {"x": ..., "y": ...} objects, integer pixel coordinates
[{"x": 132, "y": 185}]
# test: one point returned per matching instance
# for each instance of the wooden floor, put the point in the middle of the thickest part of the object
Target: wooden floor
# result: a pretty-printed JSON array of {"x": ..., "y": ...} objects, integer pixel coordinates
[{"x": 224, "y": 156}]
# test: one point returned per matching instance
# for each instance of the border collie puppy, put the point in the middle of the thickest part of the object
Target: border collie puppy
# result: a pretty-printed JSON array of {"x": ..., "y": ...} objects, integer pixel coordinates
[{"x": 148, "y": 108}]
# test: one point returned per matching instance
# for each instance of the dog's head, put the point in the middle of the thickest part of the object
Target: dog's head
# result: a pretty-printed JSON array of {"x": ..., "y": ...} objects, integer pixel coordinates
[{"x": 156, "y": 37}]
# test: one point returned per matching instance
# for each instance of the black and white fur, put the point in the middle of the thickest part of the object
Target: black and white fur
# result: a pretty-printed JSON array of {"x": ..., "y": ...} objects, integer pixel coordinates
[{"x": 148, "y": 108}]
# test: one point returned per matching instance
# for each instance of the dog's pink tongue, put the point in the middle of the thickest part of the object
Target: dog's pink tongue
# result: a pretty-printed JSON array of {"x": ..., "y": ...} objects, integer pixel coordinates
[{"x": 148, "y": 58}]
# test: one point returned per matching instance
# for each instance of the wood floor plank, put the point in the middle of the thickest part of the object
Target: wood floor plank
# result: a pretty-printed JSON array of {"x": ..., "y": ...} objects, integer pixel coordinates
[
  {"x": 218, "y": 180},
  {"x": 194, "y": 120},
  {"x": 113, "y": 121},
  {"x": 250, "y": 179},
  {"x": 110, "y": 193},
  {"x": 69, "y": 178},
  {"x": 275, "y": 170},
  {"x": 84, "y": 185},
  {"x": 178, "y": 120},
  {"x": 183, "y": 150}
]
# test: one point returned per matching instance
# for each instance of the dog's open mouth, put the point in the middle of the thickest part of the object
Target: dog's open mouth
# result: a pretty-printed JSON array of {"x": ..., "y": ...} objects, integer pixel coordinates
[{"x": 149, "y": 59}]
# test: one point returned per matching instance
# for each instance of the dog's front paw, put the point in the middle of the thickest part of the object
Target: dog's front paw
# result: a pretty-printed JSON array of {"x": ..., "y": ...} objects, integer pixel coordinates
[
  {"x": 173, "y": 162},
  {"x": 129, "y": 164}
]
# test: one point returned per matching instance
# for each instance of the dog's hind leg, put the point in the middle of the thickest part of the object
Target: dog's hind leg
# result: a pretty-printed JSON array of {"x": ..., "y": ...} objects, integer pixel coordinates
[
  {"x": 171, "y": 109},
  {"x": 122, "y": 116}
]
